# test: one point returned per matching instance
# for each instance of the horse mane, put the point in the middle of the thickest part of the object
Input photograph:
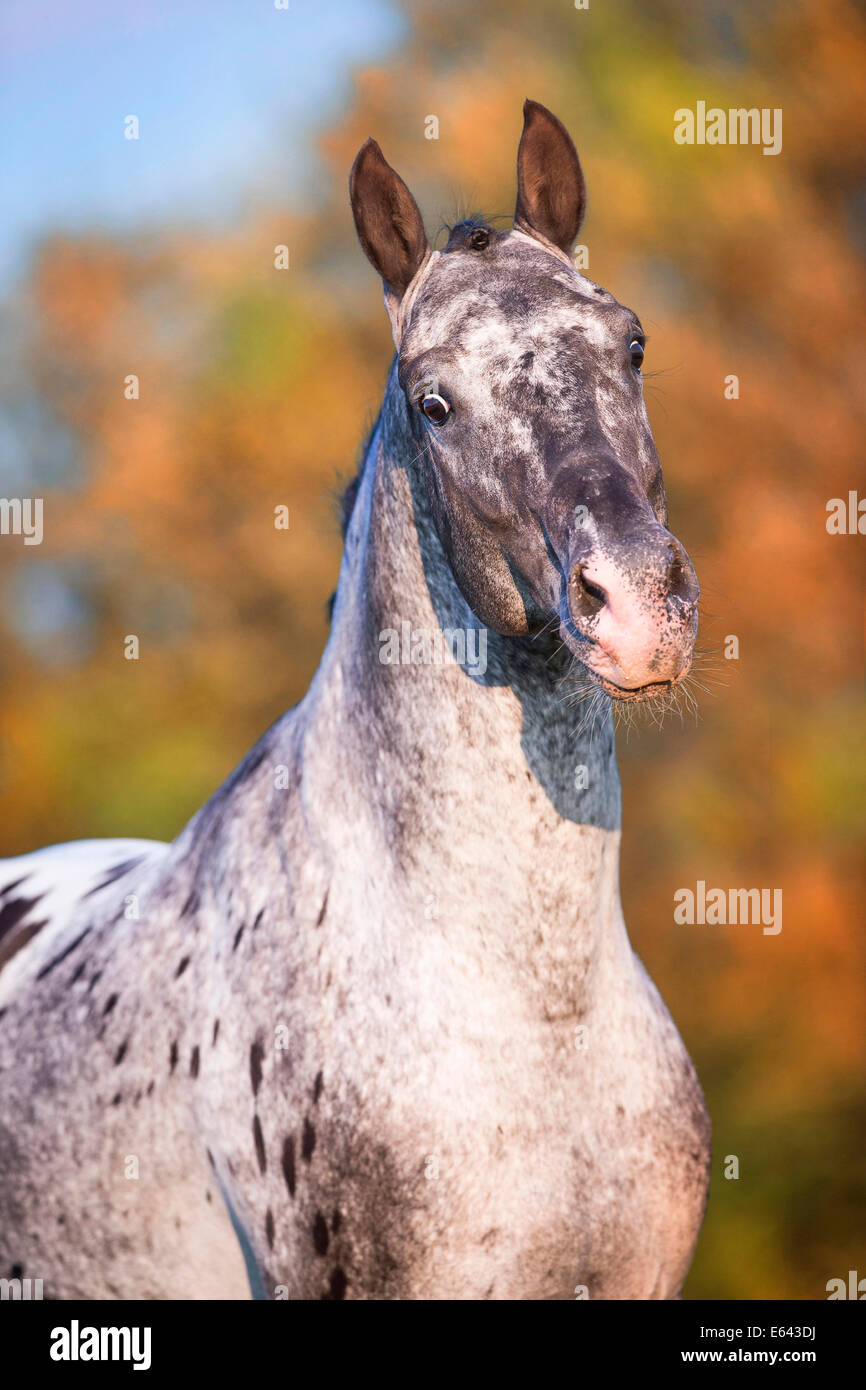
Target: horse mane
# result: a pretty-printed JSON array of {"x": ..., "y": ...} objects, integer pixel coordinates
[{"x": 346, "y": 495}]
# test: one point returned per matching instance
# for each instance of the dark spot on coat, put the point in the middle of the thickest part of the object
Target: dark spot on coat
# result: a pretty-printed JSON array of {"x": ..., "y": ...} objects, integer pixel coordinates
[
  {"x": 259, "y": 1141},
  {"x": 216, "y": 1030},
  {"x": 16, "y": 1272},
  {"x": 337, "y": 1287},
  {"x": 320, "y": 1234},
  {"x": 308, "y": 1141},
  {"x": 210, "y": 1159},
  {"x": 114, "y": 874},
  {"x": 58, "y": 960},
  {"x": 289, "y": 1163},
  {"x": 181, "y": 968},
  {"x": 11, "y": 912},
  {"x": 269, "y": 1227},
  {"x": 15, "y": 940},
  {"x": 79, "y": 971},
  {"x": 257, "y": 1053},
  {"x": 190, "y": 905},
  {"x": 194, "y": 1061},
  {"x": 121, "y": 1052},
  {"x": 150, "y": 1088},
  {"x": 336, "y": 1221},
  {"x": 94, "y": 981},
  {"x": 10, "y": 887},
  {"x": 109, "y": 1004},
  {"x": 238, "y": 934},
  {"x": 117, "y": 1099},
  {"x": 318, "y": 1085},
  {"x": 259, "y": 915},
  {"x": 173, "y": 1056},
  {"x": 208, "y": 1197},
  {"x": 254, "y": 759},
  {"x": 323, "y": 909}
]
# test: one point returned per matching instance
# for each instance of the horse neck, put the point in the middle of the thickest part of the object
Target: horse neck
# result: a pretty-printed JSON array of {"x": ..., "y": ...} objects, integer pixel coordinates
[{"x": 438, "y": 752}]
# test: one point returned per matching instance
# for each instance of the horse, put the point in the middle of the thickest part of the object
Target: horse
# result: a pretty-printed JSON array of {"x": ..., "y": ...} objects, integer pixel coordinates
[{"x": 371, "y": 1027}]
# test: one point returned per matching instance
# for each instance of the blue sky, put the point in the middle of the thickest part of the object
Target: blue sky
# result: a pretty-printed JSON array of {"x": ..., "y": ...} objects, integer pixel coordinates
[{"x": 228, "y": 94}]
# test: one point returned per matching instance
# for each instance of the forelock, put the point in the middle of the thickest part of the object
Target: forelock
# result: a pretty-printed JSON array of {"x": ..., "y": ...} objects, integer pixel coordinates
[{"x": 473, "y": 294}]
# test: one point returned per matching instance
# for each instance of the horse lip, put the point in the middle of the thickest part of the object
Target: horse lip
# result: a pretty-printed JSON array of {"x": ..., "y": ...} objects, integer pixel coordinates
[
  {"x": 632, "y": 694},
  {"x": 650, "y": 690}
]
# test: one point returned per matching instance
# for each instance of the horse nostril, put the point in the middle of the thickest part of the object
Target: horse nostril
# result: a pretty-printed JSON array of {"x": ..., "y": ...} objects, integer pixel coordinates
[
  {"x": 586, "y": 598},
  {"x": 680, "y": 576}
]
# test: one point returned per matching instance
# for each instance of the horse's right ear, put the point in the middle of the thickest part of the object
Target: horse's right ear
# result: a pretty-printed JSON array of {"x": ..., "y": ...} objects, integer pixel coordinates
[{"x": 387, "y": 221}]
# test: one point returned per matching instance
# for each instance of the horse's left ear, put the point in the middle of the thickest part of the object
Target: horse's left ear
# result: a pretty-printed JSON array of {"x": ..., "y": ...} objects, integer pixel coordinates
[{"x": 551, "y": 194}]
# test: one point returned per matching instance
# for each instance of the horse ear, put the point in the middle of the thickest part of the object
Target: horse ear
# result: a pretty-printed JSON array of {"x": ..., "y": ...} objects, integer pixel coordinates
[
  {"x": 387, "y": 219},
  {"x": 551, "y": 194}
]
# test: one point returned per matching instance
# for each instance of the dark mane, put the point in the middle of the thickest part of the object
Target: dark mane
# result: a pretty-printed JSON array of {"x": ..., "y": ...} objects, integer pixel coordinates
[
  {"x": 346, "y": 496},
  {"x": 350, "y": 491}
]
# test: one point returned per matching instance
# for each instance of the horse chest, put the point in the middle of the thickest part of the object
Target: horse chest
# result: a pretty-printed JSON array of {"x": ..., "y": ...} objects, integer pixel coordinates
[{"x": 468, "y": 1146}]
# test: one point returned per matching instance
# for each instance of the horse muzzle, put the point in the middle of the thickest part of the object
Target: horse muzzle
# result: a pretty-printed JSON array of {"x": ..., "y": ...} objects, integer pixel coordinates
[{"x": 632, "y": 614}]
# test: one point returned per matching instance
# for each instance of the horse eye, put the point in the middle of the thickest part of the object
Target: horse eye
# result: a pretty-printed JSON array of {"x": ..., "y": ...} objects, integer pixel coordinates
[
  {"x": 636, "y": 349},
  {"x": 436, "y": 409}
]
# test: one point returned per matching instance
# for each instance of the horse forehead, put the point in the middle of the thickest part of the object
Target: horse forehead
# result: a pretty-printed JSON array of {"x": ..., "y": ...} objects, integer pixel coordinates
[{"x": 519, "y": 299}]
